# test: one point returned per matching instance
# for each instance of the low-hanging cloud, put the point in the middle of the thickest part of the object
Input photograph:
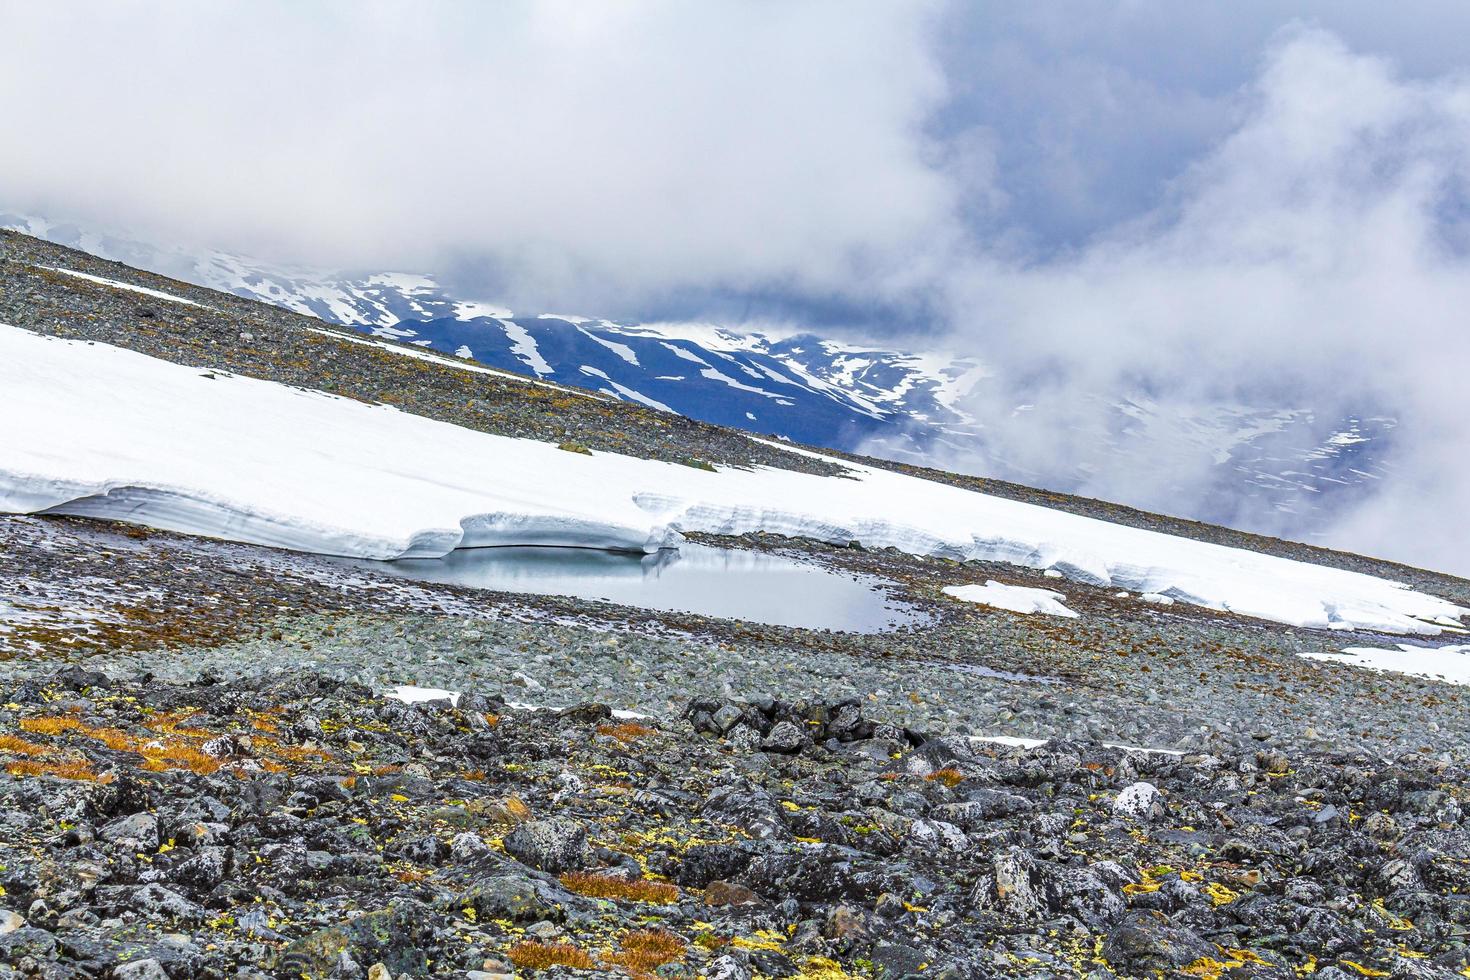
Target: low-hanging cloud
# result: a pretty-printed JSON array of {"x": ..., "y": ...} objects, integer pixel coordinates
[
  {"x": 573, "y": 152},
  {"x": 1318, "y": 256}
]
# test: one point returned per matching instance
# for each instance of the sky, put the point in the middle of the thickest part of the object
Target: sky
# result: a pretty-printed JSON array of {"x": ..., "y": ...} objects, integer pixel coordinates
[{"x": 1258, "y": 203}]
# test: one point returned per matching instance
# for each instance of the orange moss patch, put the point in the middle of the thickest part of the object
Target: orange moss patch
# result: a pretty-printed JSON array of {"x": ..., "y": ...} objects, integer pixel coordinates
[
  {"x": 175, "y": 747},
  {"x": 948, "y": 776},
  {"x": 645, "y": 950},
  {"x": 53, "y": 725},
  {"x": 626, "y": 731},
  {"x": 543, "y": 956},
  {"x": 60, "y": 770},
  {"x": 19, "y": 746},
  {"x": 609, "y": 886}
]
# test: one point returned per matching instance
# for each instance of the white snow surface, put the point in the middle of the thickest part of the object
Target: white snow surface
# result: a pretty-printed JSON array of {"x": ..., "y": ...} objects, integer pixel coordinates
[
  {"x": 118, "y": 284},
  {"x": 1016, "y": 598},
  {"x": 101, "y": 431},
  {"x": 1450, "y": 664},
  {"x": 410, "y": 694},
  {"x": 470, "y": 310},
  {"x": 523, "y": 346}
]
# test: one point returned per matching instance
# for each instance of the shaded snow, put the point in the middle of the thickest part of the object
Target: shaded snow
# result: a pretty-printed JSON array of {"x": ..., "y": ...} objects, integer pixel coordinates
[{"x": 622, "y": 350}]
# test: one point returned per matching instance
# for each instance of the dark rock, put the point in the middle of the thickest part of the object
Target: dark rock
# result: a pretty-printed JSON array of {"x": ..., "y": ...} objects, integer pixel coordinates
[
  {"x": 752, "y": 810},
  {"x": 785, "y": 736},
  {"x": 705, "y": 863},
  {"x": 1145, "y": 942}
]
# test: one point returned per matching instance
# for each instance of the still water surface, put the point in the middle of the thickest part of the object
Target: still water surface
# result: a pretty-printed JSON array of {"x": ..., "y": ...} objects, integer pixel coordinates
[{"x": 722, "y": 582}]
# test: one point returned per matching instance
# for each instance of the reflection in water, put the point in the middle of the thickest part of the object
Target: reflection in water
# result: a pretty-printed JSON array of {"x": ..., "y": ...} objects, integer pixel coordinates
[{"x": 693, "y": 578}]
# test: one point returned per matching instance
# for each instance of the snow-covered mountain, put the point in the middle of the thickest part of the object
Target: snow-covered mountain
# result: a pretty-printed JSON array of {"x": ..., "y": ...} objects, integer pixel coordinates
[{"x": 1271, "y": 468}]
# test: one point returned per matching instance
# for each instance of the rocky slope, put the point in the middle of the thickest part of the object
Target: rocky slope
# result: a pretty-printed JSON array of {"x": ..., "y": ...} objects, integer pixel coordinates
[{"x": 203, "y": 777}]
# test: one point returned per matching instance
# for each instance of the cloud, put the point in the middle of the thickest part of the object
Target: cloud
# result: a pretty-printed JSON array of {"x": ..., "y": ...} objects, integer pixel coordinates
[
  {"x": 560, "y": 151},
  {"x": 1318, "y": 256}
]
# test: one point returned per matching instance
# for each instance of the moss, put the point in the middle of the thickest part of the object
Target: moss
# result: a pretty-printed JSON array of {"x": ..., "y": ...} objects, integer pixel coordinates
[
  {"x": 949, "y": 776},
  {"x": 609, "y": 886},
  {"x": 627, "y": 731},
  {"x": 544, "y": 956},
  {"x": 645, "y": 950}
]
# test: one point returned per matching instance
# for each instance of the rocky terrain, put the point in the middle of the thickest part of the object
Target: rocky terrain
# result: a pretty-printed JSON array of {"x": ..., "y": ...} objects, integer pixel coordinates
[
  {"x": 203, "y": 774},
  {"x": 298, "y": 825}
]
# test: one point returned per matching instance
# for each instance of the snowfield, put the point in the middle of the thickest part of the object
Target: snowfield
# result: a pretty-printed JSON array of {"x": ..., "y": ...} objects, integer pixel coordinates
[
  {"x": 1450, "y": 664},
  {"x": 1016, "y": 598},
  {"x": 99, "y": 431}
]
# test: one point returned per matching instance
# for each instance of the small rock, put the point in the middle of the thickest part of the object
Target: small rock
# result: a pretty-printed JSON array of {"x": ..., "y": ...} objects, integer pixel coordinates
[
  {"x": 554, "y": 845},
  {"x": 149, "y": 969},
  {"x": 727, "y": 893},
  {"x": 137, "y": 830},
  {"x": 10, "y": 921},
  {"x": 1140, "y": 802}
]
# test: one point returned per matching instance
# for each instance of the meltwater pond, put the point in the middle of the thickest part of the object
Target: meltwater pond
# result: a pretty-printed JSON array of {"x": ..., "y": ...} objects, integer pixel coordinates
[{"x": 694, "y": 578}]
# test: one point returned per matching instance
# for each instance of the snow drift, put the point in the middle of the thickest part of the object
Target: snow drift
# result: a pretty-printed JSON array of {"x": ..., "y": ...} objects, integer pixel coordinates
[{"x": 101, "y": 431}]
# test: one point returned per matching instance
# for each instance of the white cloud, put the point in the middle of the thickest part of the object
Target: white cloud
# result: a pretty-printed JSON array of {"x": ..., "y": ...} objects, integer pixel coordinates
[
  {"x": 582, "y": 150},
  {"x": 1314, "y": 257}
]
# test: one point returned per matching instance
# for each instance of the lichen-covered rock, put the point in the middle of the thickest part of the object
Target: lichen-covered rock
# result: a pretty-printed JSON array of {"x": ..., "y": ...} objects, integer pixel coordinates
[{"x": 553, "y": 845}]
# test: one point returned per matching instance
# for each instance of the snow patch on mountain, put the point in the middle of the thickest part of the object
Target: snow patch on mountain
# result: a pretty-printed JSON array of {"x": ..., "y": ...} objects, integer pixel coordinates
[
  {"x": 523, "y": 346},
  {"x": 125, "y": 286}
]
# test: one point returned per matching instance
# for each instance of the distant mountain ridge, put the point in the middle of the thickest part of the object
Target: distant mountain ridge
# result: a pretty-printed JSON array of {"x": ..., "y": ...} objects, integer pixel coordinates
[{"x": 901, "y": 405}]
